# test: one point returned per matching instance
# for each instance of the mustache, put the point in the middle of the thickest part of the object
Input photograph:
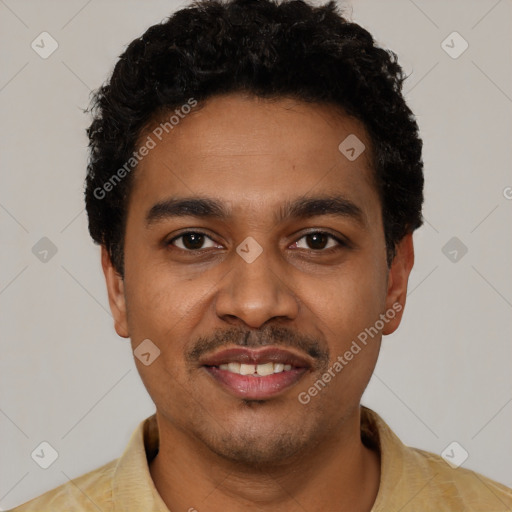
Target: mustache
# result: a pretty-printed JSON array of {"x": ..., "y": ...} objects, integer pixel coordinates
[{"x": 271, "y": 335}]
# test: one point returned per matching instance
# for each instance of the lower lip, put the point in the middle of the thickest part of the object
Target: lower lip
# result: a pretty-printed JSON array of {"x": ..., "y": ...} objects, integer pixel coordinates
[{"x": 256, "y": 388}]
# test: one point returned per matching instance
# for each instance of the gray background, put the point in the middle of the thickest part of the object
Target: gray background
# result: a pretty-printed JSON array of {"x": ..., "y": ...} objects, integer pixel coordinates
[{"x": 68, "y": 379}]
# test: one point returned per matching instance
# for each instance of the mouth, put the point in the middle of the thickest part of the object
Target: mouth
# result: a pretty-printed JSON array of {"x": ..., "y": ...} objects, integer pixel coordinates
[{"x": 256, "y": 374}]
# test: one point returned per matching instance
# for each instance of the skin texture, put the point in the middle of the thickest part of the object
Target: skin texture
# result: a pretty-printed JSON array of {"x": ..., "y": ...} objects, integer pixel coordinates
[{"x": 217, "y": 451}]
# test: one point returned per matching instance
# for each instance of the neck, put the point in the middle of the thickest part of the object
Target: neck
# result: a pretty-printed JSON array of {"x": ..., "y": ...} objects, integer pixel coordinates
[{"x": 340, "y": 473}]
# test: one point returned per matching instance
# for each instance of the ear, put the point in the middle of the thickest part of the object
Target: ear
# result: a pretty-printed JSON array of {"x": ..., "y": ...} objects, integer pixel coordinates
[
  {"x": 398, "y": 278},
  {"x": 116, "y": 298}
]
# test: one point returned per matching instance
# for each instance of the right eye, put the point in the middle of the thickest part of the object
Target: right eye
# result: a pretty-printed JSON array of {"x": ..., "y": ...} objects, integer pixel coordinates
[{"x": 191, "y": 241}]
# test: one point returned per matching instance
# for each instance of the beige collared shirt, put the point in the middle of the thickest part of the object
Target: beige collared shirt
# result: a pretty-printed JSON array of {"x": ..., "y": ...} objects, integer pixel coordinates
[{"x": 412, "y": 480}]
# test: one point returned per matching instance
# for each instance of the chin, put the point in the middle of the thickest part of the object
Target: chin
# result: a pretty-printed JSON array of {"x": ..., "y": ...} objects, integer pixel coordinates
[
  {"x": 253, "y": 451},
  {"x": 267, "y": 443}
]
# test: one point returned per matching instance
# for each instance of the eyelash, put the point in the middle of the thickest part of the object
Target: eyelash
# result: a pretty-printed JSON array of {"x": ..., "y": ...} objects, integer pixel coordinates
[{"x": 341, "y": 242}]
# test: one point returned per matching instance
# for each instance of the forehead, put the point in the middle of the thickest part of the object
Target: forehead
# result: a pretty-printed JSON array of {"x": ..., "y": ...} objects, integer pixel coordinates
[{"x": 254, "y": 152}]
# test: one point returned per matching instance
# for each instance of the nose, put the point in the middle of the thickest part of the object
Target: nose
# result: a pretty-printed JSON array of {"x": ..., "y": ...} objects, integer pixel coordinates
[{"x": 255, "y": 292}]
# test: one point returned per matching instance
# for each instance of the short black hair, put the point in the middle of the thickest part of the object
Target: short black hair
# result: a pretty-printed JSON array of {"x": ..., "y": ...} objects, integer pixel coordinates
[{"x": 270, "y": 49}]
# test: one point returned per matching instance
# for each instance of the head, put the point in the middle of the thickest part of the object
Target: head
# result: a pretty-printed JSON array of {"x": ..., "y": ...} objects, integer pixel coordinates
[{"x": 255, "y": 178}]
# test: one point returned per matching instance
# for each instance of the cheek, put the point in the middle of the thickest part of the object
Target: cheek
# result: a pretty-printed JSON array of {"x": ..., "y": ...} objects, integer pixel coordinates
[
  {"x": 161, "y": 309},
  {"x": 157, "y": 296},
  {"x": 165, "y": 306},
  {"x": 351, "y": 300},
  {"x": 345, "y": 309}
]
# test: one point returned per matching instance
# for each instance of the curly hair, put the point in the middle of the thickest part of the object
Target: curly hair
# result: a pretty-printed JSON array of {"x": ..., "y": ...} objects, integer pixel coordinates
[{"x": 270, "y": 49}]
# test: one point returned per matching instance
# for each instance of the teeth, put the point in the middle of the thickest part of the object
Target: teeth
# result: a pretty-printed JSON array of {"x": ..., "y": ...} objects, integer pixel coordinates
[
  {"x": 233, "y": 367},
  {"x": 278, "y": 367},
  {"x": 257, "y": 370},
  {"x": 247, "y": 369},
  {"x": 265, "y": 369}
]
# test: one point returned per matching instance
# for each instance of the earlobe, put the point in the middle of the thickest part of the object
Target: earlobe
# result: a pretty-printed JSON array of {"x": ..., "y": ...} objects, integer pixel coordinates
[
  {"x": 116, "y": 297},
  {"x": 397, "y": 282}
]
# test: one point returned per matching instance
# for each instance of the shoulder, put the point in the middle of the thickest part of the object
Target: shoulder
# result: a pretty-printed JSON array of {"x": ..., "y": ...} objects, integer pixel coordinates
[
  {"x": 415, "y": 480},
  {"x": 89, "y": 492},
  {"x": 458, "y": 488}
]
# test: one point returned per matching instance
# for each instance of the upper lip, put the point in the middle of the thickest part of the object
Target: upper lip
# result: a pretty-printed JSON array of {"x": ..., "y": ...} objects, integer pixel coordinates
[{"x": 255, "y": 356}]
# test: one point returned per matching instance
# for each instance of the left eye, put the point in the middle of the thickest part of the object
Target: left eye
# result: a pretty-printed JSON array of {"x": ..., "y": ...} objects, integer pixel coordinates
[{"x": 319, "y": 240}]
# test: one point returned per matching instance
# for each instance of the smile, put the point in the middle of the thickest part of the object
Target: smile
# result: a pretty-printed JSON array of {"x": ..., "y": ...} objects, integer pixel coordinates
[
  {"x": 256, "y": 374},
  {"x": 256, "y": 370}
]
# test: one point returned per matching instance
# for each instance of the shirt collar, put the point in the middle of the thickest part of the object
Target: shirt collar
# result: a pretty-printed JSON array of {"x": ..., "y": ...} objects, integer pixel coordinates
[
  {"x": 376, "y": 434},
  {"x": 133, "y": 489}
]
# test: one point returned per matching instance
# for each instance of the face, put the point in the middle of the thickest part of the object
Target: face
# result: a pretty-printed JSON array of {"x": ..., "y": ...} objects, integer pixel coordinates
[{"x": 254, "y": 259}]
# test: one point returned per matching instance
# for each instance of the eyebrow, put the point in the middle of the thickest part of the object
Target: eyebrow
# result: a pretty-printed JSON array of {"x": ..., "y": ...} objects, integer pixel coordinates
[{"x": 300, "y": 208}]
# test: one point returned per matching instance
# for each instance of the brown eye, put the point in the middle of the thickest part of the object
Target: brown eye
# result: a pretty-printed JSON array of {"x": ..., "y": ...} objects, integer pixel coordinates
[
  {"x": 191, "y": 241},
  {"x": 319, "y": 241}
]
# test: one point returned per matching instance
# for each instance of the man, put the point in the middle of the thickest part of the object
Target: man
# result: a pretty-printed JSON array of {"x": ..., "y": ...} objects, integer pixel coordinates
[{"x": 254, "y": 182}]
